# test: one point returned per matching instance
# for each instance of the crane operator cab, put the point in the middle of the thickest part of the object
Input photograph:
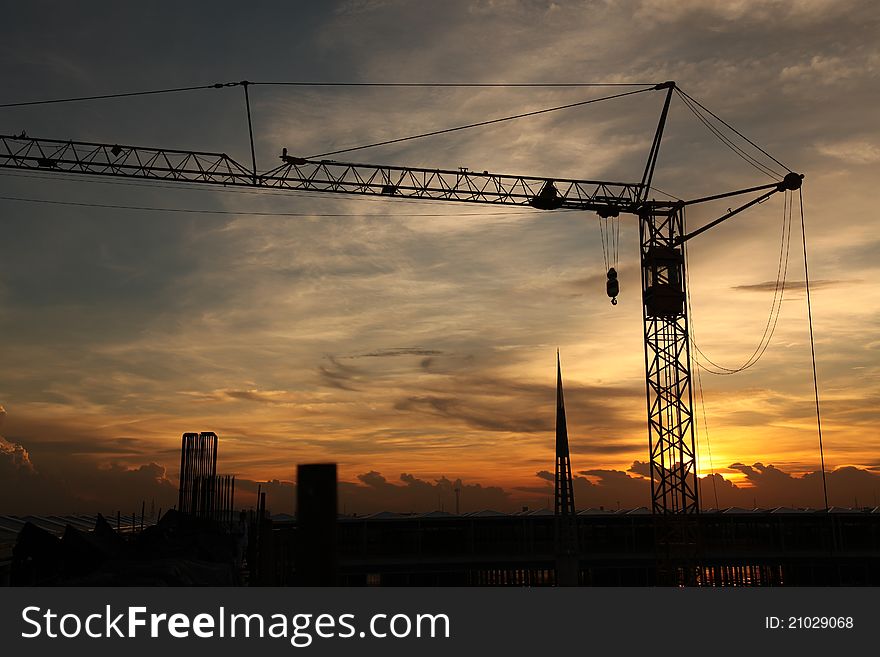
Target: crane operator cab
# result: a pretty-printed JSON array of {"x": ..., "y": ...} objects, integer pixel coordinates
[{"x": 664, "y": 289}]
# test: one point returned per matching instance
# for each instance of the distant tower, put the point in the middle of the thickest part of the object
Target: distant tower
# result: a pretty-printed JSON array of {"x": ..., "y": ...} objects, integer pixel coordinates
[
  {"x": 564, "y": 489},
  {"x": 567, "y": 568}
]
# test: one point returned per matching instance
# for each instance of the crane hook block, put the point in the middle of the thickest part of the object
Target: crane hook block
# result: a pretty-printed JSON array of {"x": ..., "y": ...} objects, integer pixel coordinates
[{"x": 612, "y": 287}]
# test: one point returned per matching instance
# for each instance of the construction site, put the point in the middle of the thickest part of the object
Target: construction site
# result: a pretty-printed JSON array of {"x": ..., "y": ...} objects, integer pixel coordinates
[
  {"x": 674, "y": 541},
  {"x": 737, "y": 547},
  {"x": 205, "y": 541}
]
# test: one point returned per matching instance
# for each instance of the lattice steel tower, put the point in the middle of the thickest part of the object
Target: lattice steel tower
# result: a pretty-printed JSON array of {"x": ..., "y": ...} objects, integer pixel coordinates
[{"x": 667, "y": 362}]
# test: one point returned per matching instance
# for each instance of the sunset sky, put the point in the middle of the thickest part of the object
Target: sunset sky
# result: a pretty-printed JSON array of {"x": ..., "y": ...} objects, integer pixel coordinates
[{"x": 414, "y": 343}]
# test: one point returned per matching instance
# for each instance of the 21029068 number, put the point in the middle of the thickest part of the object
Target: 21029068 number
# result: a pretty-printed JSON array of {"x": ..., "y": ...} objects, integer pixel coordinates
[
  {"x": 809, "y": 623},
  {"x": 820, "y": 622}
]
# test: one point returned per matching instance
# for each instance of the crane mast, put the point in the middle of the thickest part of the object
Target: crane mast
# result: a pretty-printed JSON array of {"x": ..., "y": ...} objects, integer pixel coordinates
[
  {"x": 669, "y": 398},
  {"x": 667, "y": 361}
]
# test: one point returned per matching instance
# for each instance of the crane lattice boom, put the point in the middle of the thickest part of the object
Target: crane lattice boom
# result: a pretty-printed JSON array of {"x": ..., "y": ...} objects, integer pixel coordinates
[{"x": 21, "y": 152}]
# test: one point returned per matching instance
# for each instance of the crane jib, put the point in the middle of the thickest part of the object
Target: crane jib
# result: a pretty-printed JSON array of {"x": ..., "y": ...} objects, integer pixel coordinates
[{"x": 103, "y": 159}]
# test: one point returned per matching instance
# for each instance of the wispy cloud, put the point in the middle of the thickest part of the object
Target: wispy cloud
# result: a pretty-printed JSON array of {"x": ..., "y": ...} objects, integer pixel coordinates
[
  {"x": 772, "y": 286},
  {"x": 398, "y": 351}
]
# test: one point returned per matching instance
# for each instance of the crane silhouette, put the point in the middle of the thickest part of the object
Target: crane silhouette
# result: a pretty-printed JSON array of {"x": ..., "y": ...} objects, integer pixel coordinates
[{"x": 674, "y": 488}]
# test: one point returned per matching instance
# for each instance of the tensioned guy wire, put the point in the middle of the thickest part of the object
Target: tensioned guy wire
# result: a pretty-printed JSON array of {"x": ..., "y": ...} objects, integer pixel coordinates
[
  {"x": 460, "y": 84},
  {"x": 725, "y": 123},
  {"x": 220, "y": 85},
  {"x": 813, "y": 348},
  {"x": 478, "y": 124},
  {"x": 754, "y": 162},
  {"x": 693, "y": 341}
]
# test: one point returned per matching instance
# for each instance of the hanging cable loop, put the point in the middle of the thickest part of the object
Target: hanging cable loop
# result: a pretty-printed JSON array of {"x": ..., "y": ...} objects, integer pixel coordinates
[{"x": 702, "y": 360}]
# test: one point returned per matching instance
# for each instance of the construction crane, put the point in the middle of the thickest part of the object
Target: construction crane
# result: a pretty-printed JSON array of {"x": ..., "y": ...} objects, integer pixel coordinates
[{"x": 674, "y": 489}]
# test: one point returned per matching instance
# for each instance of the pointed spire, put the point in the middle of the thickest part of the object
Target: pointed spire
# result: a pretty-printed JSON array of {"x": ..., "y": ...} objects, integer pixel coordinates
[
  {"x": 561, "y": 426},
  {"x": 564, "y": 505}
]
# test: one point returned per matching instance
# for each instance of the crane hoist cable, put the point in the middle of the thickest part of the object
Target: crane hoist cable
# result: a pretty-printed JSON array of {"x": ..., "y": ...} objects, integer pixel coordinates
[{"x": 609, "y": 235}]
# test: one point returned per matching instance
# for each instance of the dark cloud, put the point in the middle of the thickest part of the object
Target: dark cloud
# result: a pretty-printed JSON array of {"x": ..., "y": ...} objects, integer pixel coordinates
[
  {"x": 473, "y": 414},
  {"x": 592, "y": 447},
  {"x": 642, "y": 468},
  {"x": 337, "y": 375},
  {"x": 70, "y": 444},
  {"x": 67, "y": 482},
  {"x": 599, "y": 488},
  {"x": 771, "y": 286},
  {"x": 611, "y": 488},
  {"x": 83, "y": 487},
  {"x": 54, "y": 440},
  {"x": 847, "y": 486},
  {"x": 273, "y": 397},
  {"x": 372, "y": 492},
  {"x": 522, "y": 406},
  {"x": 250, "y": 395},
  {"x": 15, "y": 458},
  {"x": 398, "y": 351},
  {"x": 544, "y": 491},
  {"x": 766, "y": 486},
  {"x": 372, "y": 478}
]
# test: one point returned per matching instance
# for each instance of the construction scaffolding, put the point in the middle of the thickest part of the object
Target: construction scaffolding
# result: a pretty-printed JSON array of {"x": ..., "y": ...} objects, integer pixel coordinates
[{"x": 203, "y": 493}]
